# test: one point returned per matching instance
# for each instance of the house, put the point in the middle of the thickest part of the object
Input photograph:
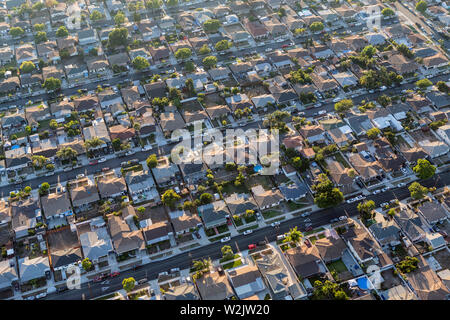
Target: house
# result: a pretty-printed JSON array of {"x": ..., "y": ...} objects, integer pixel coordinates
[
  {"x": 97, "y": 129},
  {"x": 426, "y": 284},
  {"x": 343, "y": 177},
  {"x": 157, "y": 232},
  {"x": 367, "y": 170},
  {"x": 61, "y": 110},
  {"x": 214, "y": 286},
  {"x": 6, "y": 55},
  {"x": 26, "y": 52},
  {"x": 361, "y": 244},
  {"x": 266, "y": 198},
  {"x": 84, "y": 103},
  {"x": 246, "y": 281},
  {"x": 25, "y": 214},
  {"x": 149, "y": 29},
  {"x": 110, "y": 186},
  {"x": 238, "y": 204},
  {"x": 183, "y": 291},
  {"x": 141, "y": 187},
  {"x": 398, "y": 292},
  {"x": 330, "y": 248},
  {"x": 121, "y": 132},
  {"x": 108, "y": 97},
  {"x": 55, "y": 205},
  {"x": 438, "y": 99},
  {"x": 18, "y": 158},
  {"x": 256, "y": 29},
  {"x": 434, "y": 149},
  {"x": 386, "y": 231},
  {"x": 433, "y": 212},
  {"x": 165, "y": 172},
  {"x": 293, "y": 142},
  {"x": 87, "y": 38},
  {"x": 97, "y": 65},
  {"x": 124, "y": 240},
  {"x": 8, "y": 277},
  {"x": 159, "y": 54},
  {"x": 341, "y": 136},
  {"x": 83, "y": 194},
  {"x": 64, "y": 249},
  {"x": 214, "y": 214},
  {"x": 33, "y": 269},
  {"x": 68, "y": 44},
  {"x": 313, "y": 133},
  {"x": 48, "y": 52},
  {"x": 37, "y": 113},
  {"x": 9, "y": 85},
  {"x": 184, "y": 223},
  {"x": 293, "y": 191},
  {"x": 277, "y": 277},
  {"x": 155, "y": 89},
  {"x": 305, "y": 260},
  {"x": 220, "y": 73},
  {"x": 435, "y": 62},
  {"x": 95, "y": 241},
  {"x": 263, "y": 101},
  {"x": 411, "y": 224},
  {"x": 444, "y": 133},
  {"x": 31, "y": 80}
]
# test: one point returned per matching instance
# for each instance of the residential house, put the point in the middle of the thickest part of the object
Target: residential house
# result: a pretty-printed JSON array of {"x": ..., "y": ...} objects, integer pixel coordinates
[
  {"x": 124, "y": 239},
  {"x": 214, "y": 286},
  {"x": 25, "y": 215},
  {"x": 214, "y": 214},
  {"x": 266, "y": 198},
  {"x": 306, "y": 261},
  {"x": 246, "y": 281}
]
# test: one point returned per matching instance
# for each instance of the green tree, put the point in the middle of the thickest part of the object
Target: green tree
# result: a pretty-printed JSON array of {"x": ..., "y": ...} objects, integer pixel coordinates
[
  {"x": 210, "y": 62},
  {"x": 27, "y": 67},
  {"x": 343, "y": 105},
  {"x": 43, "y": 189},
  {"x": 119, "y": 18},
  {"x": 369, "y": 51},
  {"x": 52, "y": 84},
  {"x": 38, "y": 6},
  {"x": 62, "y": 32},
  {"x": 211, "y": 25},
  {"x": 172, "y": 3},
  {"x": 170, "y": 197},
  {"x": 16, "y": 32},
  {"x": 206, "y": 198},
  {"x": 365, "y": 209},
  {"x": 417, "y": 191},
  {"x": 128, "y": 284},
  {"x": 421, "y": 6},
  {"x": 183, "y": 53},
  {"x": 96, "y": 15},
  {"x": 442, "y": 86},
  {"x": 227, "y": 252},
  {"x": 141, "y": 210},
  {"x": 40, "y": 36},
  {"x": 204, "y": 49},
  {"x": 86, "y": 264},
  {"x": 118, "y": 37},
  {"x": 424, "y": 84},
  {"x": 53, "y": 124},
  {"x": 293, "y": 235},
  {"x": 27, "y": 189},
  {"x": 373, "y": 133},
  {"x": 140, "y": 63},
  {"x": 387, "y": 12},
  {"x": 223, "y": 45},
  {"x": 316, "y": 26},
  {"x": 39, "y": 27},
  {"x": 66, "y": 153},
  {"x": 189, "y": 66},
  {"x": 407, "y": 265},
  {"x": 93, "y": 143},
  {"x": 152, "y": 161},
  {"x": 424, "y": 169},
  {"x": 328, "y": 291}
]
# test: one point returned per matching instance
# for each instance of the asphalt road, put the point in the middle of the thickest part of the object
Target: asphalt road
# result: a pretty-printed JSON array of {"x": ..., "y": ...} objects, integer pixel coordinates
[{"x": 241, "y": 242}]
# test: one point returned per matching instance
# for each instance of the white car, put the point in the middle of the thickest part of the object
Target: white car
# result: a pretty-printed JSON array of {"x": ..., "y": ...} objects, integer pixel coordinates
[
  {"x": 401, "y": 184},
  {"x": 79, "y": 176},
  {"x": 102, "y": 160},
  {"x": 30, "y": 298},
  {"x": 129, "y": 153},
  {"x": 268, "y": 50},
  {"x": 246, "y": 232},
  {"x": 336, "y": 99},
  {"x": 41, "y": 295},
  {"x": 226, "y": 239},
  {"x": 342, "y": 218},
  {"x": 384, "y": 204},
  {"x": 274, "y": 224},
  {"x": 376, "y": 191},
  {"x": 48, "y": 174},
  {"x": 350, "y": 200}
]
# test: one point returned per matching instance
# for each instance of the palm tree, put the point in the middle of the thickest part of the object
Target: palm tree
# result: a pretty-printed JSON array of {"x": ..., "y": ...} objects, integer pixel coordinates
[
  {"x": 293, "y": 235},
  {"x": 201, "y": 265},
  {"x": 93, "y": 143},
  {"x": 66, "y": 153}
]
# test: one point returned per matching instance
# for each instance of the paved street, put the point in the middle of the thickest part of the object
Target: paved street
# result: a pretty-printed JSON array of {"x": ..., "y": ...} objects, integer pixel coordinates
[{"x": 184, "y": 260}]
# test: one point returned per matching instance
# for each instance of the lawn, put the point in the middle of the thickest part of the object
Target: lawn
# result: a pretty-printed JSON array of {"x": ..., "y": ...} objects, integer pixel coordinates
[
  {"x": 271, "y": 213},
  {"x": 337, "y": 266},
  {"x": 233, "y": 264},
  {"x": 232, "y": 258},
  {"x": 313, "y": 231},
  {"x": 341, "y": 160},
  {"x": 259, "y": 180},
  {"x": 294, "y": 206},
  {"x": 223, "y": 228}
]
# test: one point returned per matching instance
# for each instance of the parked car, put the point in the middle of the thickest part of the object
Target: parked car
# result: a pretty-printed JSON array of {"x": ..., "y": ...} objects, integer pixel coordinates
[
  {"x": 129, "y": 153},
  {"x": 105, "y": 169},
  {"x": 275, "y": 224},
  {"x": 225, "y": 239},
  {"x": 342, "y": 218},
  {"x": 114, "y": 274},
  {"x": 262, "y": 243},
  {"x": 246, "y": 232},
  {"x": 93, "y": 162},
  {"x": 62, "y": 289},
  {"x": 251, "y": 246},
  {"x": 79, "y": 176},
  {"x": 197, "y": 235},
  {"x": 41, "y": 295},
  {"x": 48, "y": 274},
  {"x": 102, "y": 160},
  {"x": 308, "y": 228}
]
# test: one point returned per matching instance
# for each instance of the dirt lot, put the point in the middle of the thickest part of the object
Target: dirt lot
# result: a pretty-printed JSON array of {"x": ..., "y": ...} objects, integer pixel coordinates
[{"x": 254, "y": 91}]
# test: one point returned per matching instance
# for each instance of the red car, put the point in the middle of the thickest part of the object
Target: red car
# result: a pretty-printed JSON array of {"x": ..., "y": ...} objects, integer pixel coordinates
[
  {"x": 93, "y": 162},
  {"x": 98, "y": 279},
  {"x": 114, "y": 274},
  {"x": 309, "y": 228},
  {"x": 251, "y": 246},
  {"x": 284, "y": 46}
]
